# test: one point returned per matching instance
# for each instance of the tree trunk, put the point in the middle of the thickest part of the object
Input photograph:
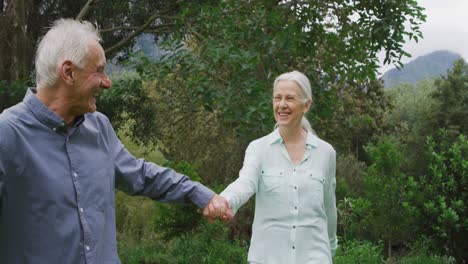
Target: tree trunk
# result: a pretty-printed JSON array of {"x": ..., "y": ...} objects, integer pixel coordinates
[
  {"x": 390, "y": 251},
  {"x": 14, "y": 43}
]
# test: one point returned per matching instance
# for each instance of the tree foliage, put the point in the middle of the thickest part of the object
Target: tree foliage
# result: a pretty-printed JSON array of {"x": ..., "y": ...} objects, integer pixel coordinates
[
  {"x": 234, "y": 50},
  {"x": 451, "y": 95},
  {"x": 390, "y": 215},
  {"x": 119, "y": 21},
  {"x": 444, "y": 192}
]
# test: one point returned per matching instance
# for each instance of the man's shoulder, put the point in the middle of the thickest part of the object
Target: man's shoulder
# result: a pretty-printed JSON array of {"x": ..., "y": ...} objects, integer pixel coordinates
[
  {"x": 97, "y": 118},
  {"x": 10, "y": 116}
]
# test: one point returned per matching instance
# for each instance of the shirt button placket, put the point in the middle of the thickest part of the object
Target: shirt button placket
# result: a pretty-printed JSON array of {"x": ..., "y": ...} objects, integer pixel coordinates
[{"x": 295, "y": 195}]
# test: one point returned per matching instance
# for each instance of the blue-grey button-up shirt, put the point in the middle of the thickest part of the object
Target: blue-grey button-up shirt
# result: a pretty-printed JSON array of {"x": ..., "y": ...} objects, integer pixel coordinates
[
  {"x": 295, "y": 208},
  {"x": 57, "y": 186}
]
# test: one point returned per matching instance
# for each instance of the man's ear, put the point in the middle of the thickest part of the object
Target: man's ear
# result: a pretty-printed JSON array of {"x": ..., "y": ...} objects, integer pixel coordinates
[{"x": 66, "y": 72}]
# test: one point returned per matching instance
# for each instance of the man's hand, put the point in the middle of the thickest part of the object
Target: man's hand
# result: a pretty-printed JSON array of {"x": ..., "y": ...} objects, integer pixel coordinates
[{"x": 219, "y": 208}]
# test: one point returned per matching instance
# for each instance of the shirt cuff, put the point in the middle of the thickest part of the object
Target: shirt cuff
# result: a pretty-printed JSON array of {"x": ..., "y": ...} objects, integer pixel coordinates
[
  {"x": 333, "y": 246},
  {"x": 202, "y": 195}
]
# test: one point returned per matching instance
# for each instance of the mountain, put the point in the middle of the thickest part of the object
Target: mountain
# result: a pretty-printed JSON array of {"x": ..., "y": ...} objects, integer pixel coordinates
[{"x": 428, "y": 66}]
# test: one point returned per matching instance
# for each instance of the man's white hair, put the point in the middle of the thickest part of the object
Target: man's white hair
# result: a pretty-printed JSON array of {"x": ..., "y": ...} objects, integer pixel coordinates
[{"x": 67, "y": 39}]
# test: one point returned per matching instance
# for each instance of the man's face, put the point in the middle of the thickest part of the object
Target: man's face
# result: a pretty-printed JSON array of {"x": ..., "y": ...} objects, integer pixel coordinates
[{"x": 90, "y": 80}]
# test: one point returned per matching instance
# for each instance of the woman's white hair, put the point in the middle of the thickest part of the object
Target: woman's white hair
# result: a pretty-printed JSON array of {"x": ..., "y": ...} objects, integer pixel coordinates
[
  {"x": 306, "y": 91},
  {"x": 67, "y": 39}
]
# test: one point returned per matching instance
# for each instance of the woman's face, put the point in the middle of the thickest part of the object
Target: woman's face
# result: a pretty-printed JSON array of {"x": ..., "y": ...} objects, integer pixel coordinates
[{"x": 288, "y": 105}]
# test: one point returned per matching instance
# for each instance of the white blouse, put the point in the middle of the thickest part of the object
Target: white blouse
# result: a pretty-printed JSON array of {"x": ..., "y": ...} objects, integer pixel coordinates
[{"x": 295, "y": 208}]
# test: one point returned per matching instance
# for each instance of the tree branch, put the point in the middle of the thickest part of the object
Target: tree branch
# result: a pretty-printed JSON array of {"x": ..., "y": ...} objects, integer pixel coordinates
[
  {"x": 153, "y": 28},
  {"x": 85, "y": 10},
  {"x": 127, "y": 40}
]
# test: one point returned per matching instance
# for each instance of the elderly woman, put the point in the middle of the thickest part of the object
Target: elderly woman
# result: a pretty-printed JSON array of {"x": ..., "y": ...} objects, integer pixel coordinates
[{"x": 292, "y": 173}]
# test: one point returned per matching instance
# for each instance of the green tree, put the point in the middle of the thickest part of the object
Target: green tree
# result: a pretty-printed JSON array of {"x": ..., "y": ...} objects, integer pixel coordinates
[
  {"x": 119, "y": 22},
  {"x": 410, "y": 121},
  {"x": 216, "y": 77},
  {"x": 357, "y": 116},
  {"x": 451, "y": 96},
  {"x": 444, "y": 194},
  {"x": 390, "y": 216},
  {"x": 233, "y": 50}
]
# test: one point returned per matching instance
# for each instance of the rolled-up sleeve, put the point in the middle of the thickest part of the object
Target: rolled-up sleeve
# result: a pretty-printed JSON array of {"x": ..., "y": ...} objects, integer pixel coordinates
[
  {"x": 330, "y": 203},
  {"x": 240, "y": 191}
]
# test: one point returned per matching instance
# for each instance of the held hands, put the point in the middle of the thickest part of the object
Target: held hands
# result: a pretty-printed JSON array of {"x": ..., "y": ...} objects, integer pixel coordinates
[{"x": 219, "y": 208}]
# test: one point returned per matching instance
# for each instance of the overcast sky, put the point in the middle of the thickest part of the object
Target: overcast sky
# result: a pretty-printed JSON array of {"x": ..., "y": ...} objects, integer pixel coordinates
[{"x": 446, "y": 28}]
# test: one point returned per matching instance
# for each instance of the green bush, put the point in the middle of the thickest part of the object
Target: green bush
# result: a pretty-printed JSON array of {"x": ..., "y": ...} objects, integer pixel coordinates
[
  {"x": 209, "y": 244},
  {"x": 361, "y": 252},
  {"x": 422, "y": 252},
  {"x": 12, "y": 93},
  {"x": 174, "y": 220},
  {"x": 139, "y": 254},
  {"x": 426, "y": 260},
  {"x": 443, "y": 194}
]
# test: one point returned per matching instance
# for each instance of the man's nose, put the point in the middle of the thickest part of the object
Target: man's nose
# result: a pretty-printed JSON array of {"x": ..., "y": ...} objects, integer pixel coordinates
[{"x": 106, "y": 83}]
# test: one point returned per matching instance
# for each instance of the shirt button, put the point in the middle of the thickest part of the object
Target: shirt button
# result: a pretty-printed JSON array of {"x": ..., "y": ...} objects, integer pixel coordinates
[
  {"x": 295, "y": 187},
  {"x": 293, "y": 247},
  {"x": 81, "y": 209},
  {"x": 75, "y": 174},
  {"x": 87, "y": 248},
  {"x": 295, "y": 207},
  {"x": 54, "y": 129},
  {"x": 294, "y": 226}
]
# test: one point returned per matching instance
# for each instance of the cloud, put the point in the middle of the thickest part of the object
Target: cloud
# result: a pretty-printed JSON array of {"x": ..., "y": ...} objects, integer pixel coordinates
[{"x": 445, "y": 29}]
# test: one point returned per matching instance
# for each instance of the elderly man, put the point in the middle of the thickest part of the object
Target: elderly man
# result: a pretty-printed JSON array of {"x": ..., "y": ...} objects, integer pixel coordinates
[{"x": 60, "y": 161}]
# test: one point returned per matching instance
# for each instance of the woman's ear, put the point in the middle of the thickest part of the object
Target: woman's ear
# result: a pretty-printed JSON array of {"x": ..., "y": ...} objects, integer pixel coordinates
[
  {"x": 66, "y": 72},
  {"x": 307, "y": 105}
]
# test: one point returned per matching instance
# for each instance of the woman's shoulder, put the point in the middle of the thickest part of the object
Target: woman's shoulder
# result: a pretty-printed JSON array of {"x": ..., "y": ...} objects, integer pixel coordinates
[
  {"x": 265, "y": 140},
  {"x": 324, "y": 145}
]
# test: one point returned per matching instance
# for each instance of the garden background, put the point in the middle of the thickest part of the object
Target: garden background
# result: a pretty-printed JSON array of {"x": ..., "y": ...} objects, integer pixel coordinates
[{"x": 204, "y": 93}]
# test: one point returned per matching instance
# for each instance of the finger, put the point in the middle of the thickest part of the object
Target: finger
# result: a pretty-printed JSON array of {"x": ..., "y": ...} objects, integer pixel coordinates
[
  {"x": 228, "y": 216},
  {"x": 210, "y": 212}
]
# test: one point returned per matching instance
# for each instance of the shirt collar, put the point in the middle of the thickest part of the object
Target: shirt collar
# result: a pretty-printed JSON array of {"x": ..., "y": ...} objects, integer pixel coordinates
[
  {"x": 275, "y": 137},
  {"x": 44, "y": 114}
]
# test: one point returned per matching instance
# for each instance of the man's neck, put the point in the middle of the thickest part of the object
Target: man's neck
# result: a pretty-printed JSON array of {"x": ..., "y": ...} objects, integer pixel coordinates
[{"x": 56, "y": 100}]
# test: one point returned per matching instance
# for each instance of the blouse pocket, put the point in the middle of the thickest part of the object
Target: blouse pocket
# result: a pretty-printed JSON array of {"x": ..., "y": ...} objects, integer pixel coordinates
[
  {"x": 317, "y": 182},
  {"x": 272, "y": 180}
]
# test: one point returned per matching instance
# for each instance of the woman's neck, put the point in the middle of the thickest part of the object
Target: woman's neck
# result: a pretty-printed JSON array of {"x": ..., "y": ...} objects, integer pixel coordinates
[{"x": 292, "y": 135}]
